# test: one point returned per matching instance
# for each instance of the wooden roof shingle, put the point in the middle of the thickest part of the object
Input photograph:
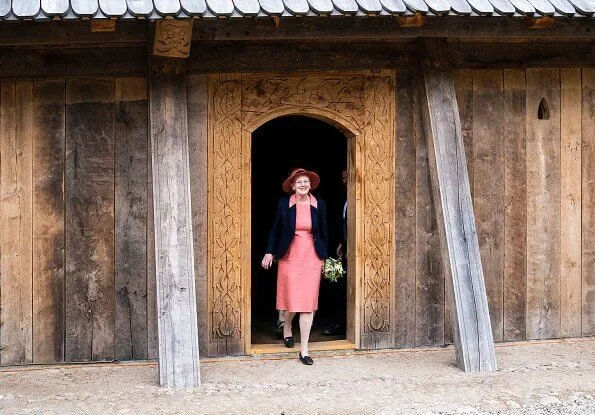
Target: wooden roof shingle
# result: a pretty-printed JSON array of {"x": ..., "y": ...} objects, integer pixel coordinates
[{"x": 157, "y": 9}]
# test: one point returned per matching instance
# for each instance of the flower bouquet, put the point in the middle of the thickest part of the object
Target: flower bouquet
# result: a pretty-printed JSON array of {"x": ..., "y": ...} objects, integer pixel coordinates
[{"x": 332, "y": 269}]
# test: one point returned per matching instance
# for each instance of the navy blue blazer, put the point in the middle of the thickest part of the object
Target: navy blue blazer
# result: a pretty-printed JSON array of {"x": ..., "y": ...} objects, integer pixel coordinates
[{"x": 283, "y": 229}]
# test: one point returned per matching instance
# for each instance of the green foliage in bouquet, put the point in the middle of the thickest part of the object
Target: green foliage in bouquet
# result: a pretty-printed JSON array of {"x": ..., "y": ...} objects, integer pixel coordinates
[{"x": 332, "y": 269}]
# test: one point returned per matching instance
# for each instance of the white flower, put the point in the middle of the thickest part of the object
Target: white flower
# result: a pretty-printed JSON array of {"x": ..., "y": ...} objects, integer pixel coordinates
[{"x": 332, "y": 269}]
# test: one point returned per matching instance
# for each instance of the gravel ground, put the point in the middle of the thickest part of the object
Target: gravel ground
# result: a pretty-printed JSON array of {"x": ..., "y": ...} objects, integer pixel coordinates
[{"x": 533, "y": 378}]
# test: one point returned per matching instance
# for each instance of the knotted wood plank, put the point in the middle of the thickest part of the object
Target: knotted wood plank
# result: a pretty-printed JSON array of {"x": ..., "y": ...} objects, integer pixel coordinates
[
  {"x": 131, "y": 218},
  {"x": 89, "y": 186},
  {"x": 543, "y": 204},
  {"x": 588, "y": 200},
  {"x": 407, "y": 104},
  {"x": 48, "y": 222},
  {"x": 515, "y": 205},
  {"x": 16, "y": 293},
  {"x": 570, "y": 222},
  {"x": 488, "y": 187},
  {"x": 197, "y": 97}
]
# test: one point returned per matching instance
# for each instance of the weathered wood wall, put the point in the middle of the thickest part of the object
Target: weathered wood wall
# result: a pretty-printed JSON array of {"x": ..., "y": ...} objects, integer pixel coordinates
[
  {"x": 76, "y": 243},
  {"x": 533, "y": 195},
  {"x": 73, "y": 215}
]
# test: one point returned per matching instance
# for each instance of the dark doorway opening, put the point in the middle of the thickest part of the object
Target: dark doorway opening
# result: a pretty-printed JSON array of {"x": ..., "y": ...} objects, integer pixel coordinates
[{"x": 278, "y": 146}]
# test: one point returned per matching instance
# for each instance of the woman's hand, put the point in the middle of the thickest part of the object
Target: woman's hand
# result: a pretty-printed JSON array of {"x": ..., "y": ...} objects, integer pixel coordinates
[{"x": 267, "y": 260}]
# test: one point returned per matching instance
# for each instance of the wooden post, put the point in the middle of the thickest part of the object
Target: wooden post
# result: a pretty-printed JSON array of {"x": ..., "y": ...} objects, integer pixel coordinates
[
  {"x": 174, "y": 256},
  {"x": 474, "y": 344}
]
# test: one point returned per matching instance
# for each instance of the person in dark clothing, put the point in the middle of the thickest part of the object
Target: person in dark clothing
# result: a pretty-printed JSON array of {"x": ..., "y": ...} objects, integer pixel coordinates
[{"x": 339, "y": 289}]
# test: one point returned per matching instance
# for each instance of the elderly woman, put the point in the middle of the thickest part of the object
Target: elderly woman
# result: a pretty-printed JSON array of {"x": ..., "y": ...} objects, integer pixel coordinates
[{"x": 298, "y": 239}]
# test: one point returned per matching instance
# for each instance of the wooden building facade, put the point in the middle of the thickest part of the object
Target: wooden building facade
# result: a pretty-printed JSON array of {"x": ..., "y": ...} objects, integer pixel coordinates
[{"x": 87, "y": 116}]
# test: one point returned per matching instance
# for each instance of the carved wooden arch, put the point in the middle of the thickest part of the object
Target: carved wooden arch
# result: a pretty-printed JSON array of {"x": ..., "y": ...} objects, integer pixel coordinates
[
  {"x": 362, "y": 105},
  {"x": 336, "y": 120}
]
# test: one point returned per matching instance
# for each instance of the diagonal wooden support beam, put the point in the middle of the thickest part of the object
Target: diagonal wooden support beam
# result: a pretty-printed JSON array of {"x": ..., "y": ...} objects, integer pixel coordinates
[
  {"x": 174, "y": 255},
  {"x": 472, "y": 330}
]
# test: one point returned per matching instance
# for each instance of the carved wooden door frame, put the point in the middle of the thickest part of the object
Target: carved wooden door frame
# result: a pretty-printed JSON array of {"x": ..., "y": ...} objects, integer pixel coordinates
[{"x": 362, "y": 106}]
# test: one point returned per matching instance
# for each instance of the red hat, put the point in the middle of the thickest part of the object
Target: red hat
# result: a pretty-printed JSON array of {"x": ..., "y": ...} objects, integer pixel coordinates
[{"x": 314, "y": 179}]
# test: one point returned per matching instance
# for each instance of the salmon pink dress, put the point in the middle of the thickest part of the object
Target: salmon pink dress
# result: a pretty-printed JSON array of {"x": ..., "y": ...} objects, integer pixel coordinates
[{"x": 299, "y": 272}]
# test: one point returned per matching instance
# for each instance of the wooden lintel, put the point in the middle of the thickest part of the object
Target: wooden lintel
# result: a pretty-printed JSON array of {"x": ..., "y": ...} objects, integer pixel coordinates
[
  {"x": 174, "y": 254},
  {"x": 538, "y": 22},
  {"x": 103, "y": 25},
  {"x": 276, "y": 21},
  {"x": 417, "y": 20},
  {"x": 172, "y": 38},
  {"x": 474, "y": 344}
]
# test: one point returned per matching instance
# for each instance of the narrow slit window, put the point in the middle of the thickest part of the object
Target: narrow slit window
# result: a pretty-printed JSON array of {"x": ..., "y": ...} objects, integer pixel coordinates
[{"x": 543, "y": 111}]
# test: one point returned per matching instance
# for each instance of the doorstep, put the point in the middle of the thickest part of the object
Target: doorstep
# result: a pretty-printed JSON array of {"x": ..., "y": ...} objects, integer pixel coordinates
[{"x": 314, "y": 346}]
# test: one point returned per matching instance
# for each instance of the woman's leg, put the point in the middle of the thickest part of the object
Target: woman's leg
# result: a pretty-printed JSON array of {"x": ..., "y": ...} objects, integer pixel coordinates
[
  {"x": 288, "y": 317},
  {"x": 305, "y": 327}
]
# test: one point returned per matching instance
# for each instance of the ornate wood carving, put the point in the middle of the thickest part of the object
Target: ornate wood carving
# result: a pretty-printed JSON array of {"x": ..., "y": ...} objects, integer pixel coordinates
[
  {"x": 225, "y": 209},
  {"x": 172, "y": 38},
  {"x": 378, "y": 212},
  {"x": 339, "y": 98},
  {"x": 359, "y": 105}
]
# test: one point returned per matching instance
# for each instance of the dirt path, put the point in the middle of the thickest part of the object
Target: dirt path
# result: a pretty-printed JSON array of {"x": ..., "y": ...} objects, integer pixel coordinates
[{"x": 536, "y": 378}]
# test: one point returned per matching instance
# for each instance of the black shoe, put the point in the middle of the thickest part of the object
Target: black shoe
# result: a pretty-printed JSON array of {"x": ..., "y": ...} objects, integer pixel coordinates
[
  {"x": 334, "y": 330},
  {"x": 288, "y": 342},
  {"x": 307, "y": 360}
]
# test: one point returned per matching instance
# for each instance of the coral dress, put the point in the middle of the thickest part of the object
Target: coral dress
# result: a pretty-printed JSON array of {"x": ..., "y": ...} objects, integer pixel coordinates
[{"x": 298, "y": 279}]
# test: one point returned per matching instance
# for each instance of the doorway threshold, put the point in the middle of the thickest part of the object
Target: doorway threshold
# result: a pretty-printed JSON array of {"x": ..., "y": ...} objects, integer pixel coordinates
[{"x": 314, "y": 346}]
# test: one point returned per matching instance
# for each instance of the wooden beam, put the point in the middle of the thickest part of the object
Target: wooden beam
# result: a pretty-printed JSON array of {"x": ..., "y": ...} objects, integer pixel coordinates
[
  {"x": 174, "y": 257},
  {"x": 71, "y": 33},
  {"x": 474, "y": 344},
  {"x": 387, "y": 27},
  {"x": 509, "y": 55},
  {"x": 63, "y": 63},
  {"x": 290, "y": 56},
  {"x": 311, "y": 29}
]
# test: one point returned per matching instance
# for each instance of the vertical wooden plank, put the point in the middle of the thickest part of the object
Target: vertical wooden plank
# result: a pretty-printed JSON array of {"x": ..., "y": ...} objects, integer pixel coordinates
[
  {"x": 488, "y": 186},
  {"x": 131, "y": 218},
  {"x": 407, "y": 116},
  {"x": 197, "y": 98},
  {"x": 570, "y": 210},
  {"x": 48, "y": 222},
  {"x": 176, "y": 298},
  {"x": 463, "y": 82},
  {"x": 588, "y": 201},
  {"x": 474, "y": 345},
  {"x": 515, "y": 205},
  {"x": 430, "y": 276},
  {"x": 16, "y": 292},
  {"x": 354, "y": 232},
  {"x": 152, "y": 326},
  {"x": 90, "y": 220},
  {"x": 543, "y": 205}
]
